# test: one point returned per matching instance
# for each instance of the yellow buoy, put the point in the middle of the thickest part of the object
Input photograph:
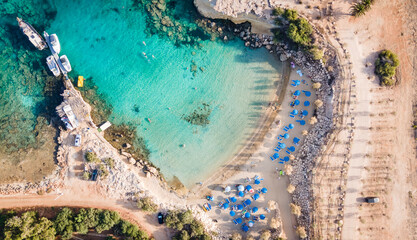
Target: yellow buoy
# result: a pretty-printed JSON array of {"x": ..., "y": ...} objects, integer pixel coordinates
[{"x": 80, "y": 81}]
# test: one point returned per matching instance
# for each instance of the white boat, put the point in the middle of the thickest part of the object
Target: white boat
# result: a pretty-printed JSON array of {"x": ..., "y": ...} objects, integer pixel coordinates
[
  {"x": 32, "y": 34},
  {"x": 53, "y": 39},
  {"x": 53, "y": 66},
  {"x": 65, "y": 63},
  {"x": 53, "y": 42}
]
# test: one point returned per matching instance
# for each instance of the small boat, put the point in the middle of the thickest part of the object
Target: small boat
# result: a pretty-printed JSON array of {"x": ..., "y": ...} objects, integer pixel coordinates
[
  {"x": 53, "y": 66},
  {"x": 53, "y": 42},
  {"x": 65, "y": 63},
  {"x": 53, "y": 39},
  {"x": 80, "y": 82},
  {"x": 149, "y": 120},
  {"x": 144, "y": 43},
  {"x": 32, "y": 34}
]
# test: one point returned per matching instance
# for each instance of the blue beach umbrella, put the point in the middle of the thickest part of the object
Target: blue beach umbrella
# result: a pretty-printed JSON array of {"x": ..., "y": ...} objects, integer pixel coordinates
[
  {"x": 233, "y": 199},
  {"x": 240, "y": 207},
  {"x": 241, "y": 194},
  {"x": 232, "y": 213},
  {"x": 262, "y": 217},
  {"x": 249, "y": 187},
  {"x": 241, "y": 188},
  {"x": 248, "y": 202},
  {"x": 294, "y": 112},
  {"x": 304, "y": 112},
  {"x": 225, "y": 206},
  {"x": 245, "y": 228},
  {"x": 239, "y": 220},
  {"x": 296, "y": 140},
  {"x": 307, "y": 93},
  {"x": 297, "y": 93},
  {"x": 286, "y": 136},
  {"x": 292, "y": 148},
  {"x": 264, "y": 190},
  {"x": 296, "y": 102},
  {"x": 257, "y": 181},
  {"x": 282, "y": 145},
  {"x": 247, "y": 215},
  {"x": 254, "y": 210},
  {"x": 250, "y": 223},
  {"x": 291, "y": 126},
  {"x": 286, "y": 159},
  {"x": 307, "y": 103},
  {"x": 275, "y": 156},
  {"x": 256, "y": 196},
  {"x": 302, "y": 122}
]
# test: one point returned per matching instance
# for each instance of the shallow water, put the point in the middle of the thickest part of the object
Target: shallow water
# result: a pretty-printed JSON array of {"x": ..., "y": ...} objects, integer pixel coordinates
[
  {"x": 156, "y": 92},
  {"x": 147, "y": 79}
]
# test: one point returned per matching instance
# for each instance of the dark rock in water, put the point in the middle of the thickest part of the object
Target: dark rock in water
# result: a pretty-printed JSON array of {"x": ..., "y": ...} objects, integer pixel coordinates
[
  {"x": 126, "y": 145},
  {"x": 199, "y": 116}
]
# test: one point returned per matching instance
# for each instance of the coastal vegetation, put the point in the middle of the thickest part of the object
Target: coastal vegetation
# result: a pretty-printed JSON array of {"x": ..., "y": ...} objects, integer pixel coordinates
[
  {"x": 385, "y": 67},
  {"x": 146, "y": 204},
  {"x": 64, "y": 224},
  {"x": 186, "y": 225},
  {"x": 296, "y": 30},
  {"x": 360, "y": 8}
]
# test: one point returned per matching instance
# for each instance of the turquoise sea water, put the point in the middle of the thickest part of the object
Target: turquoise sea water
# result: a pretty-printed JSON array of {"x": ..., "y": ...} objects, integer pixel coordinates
[{"x": 106, "y": 41}]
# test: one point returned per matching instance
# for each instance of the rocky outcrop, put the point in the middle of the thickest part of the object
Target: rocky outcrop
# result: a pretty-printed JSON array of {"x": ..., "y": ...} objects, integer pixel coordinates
[{"x": 257, "y": 12}]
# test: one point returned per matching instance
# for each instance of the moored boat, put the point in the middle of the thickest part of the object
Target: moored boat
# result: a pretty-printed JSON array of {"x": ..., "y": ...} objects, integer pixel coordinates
[
  {"x": 65, "y": 63},
  {"x": 32, "y": 34},
  {"x": 53, "y": 42},
  {"x": 53, "y": 66}
]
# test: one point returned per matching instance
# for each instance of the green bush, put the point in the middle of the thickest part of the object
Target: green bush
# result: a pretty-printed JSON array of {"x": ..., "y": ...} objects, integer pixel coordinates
[
  {"x": 86, "y": 175},
  {"x": 146, "y": 204},
  {"x": 290, "y": 15},
  {"x": 29, "y": 226},
  {"x": 103, "y": 171},
  {"x": 188, "y": 227},
  {"x": 385, "y": 67},
  {"x": 109, "y": 162},
  {"x": 278, "y": 11},
  {"x": 91, "y": 157},
  {"x": 316, "y": 53},
  {"x": 360, "y": 8},
  {"x": 64, "y": 224},
  {"x": 300, "y": 31}
]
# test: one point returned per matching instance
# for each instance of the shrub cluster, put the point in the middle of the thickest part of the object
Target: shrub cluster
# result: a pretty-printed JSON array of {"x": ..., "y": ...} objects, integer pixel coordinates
[
  {"x": 360, "y": 8},
  {"x": 30, "y": 226},
  {"x": 186, "y": 225},
  {"x": 296, "y": 30},
  {"x": 385, "y": 67},
  {"x": 91, "y": 157},
  {"x": 292, "y": 27},
  {"x": 147, "y": 205}
]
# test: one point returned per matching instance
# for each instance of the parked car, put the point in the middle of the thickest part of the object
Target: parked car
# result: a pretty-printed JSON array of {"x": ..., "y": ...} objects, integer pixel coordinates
[
  {"x": 371, "y": 199},
  {"x": 160, "y": 218},
  {"x": 77, "y": 141}
]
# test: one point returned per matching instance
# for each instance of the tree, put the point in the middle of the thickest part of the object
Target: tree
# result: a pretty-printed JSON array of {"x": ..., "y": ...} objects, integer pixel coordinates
[
  {"x": 274, "y": 223},
  {"x": 301, "y": 231},
  {"x": 316, "y": 53},
  {"x": 300, "y": 32},
  {"x": 236, "y": 236},
  {"x": 277, "y": 11},
  {"x": 64, "y": 223},
  {"x": 80, "y": 222},
  {"x": 29, "y": 226},
  {"x": 385, "y": 67},
  {"x": 127, "y": 229},
  {"x": 288, "y": 168},
  {"x": 107, "y": 220},
  {"x": 91, "y": 157},
  {"x": 196, "y": 228},
  {"x": 295, "y": 209},
  {"x": 147, "y": 205},
  {"x": 290, "y": 15}
]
